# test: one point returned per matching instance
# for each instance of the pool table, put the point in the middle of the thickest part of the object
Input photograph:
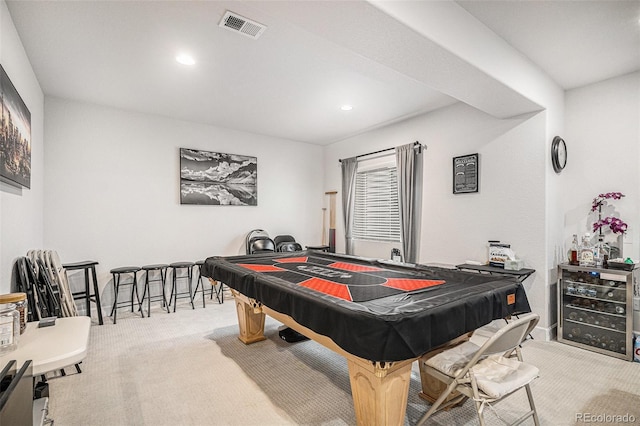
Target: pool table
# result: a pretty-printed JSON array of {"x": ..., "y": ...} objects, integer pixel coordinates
[{"x": 381, "y": 316}]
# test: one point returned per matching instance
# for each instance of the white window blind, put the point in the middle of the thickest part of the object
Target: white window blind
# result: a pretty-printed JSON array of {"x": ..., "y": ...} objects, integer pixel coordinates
[{"x": 377, "y": 215}]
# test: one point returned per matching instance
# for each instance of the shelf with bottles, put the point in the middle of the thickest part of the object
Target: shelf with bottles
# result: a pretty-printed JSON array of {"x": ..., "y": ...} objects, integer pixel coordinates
[
  {"x": 602, "y": 340},
  {"x": 596, "y": 292},
  {"x": 598, "y": 286},
  {"x": 604, "y": 320},
  {"x": 592, "y": 275},
  {"x": 595, "y": 306}
]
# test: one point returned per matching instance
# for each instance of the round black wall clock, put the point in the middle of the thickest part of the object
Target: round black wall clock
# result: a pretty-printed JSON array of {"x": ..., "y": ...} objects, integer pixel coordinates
[{"x": 558, "y": 154}]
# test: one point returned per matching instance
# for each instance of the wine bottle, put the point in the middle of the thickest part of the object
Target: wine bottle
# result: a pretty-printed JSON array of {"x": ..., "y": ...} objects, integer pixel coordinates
[
  {"x": 586, "y": 252},
  {"x": 573, "y": 252}
]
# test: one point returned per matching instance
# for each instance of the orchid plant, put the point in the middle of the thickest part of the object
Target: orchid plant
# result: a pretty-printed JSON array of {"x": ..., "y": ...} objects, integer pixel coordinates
[{"x": 617, "y": 225}]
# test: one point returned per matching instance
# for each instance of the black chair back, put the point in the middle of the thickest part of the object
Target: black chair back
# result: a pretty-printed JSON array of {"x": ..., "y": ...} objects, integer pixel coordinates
[
  {"x": 283, "y": 239},
  {"x": 261, "y": 244},
  {"x": 289, "y": 246}
]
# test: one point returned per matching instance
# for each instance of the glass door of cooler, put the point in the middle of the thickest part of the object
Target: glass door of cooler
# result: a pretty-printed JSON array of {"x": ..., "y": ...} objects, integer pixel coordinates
[{"x": 594, "y": 311}]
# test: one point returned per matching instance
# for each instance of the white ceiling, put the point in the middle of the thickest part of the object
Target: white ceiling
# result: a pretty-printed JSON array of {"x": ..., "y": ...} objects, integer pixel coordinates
[
  {"x": 576, "y": 42},
  {"x": 312, "y": 58}
]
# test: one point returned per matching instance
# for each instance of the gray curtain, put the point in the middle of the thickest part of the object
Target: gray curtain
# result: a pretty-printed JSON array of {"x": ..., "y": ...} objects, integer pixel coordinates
[
  {"x": 409, "y": 164},
  {"x": 349, "y": 167}
]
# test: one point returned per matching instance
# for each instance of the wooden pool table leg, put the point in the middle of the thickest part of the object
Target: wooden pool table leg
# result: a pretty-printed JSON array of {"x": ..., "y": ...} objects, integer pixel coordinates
[
  {"x": 250, "y": 319},
  {"x": 380, "y": 391}
]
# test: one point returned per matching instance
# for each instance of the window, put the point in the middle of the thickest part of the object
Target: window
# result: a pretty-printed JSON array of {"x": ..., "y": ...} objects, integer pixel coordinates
[{"x": 377, "y": 215}]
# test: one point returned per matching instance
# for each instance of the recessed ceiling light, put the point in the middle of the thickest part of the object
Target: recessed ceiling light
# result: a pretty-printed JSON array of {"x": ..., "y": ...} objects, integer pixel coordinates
[
  {"x": 185, "y": 59},
  {"x": 346, "y": 107}
]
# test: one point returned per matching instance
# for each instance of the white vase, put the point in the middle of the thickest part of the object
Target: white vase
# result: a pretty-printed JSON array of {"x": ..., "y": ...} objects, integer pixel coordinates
[{"x": 620, "y": 244}]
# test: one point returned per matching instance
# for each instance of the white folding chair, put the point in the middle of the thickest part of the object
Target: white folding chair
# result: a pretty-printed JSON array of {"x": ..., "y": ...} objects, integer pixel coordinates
[
  {"x": 487, "y": 373},
  {"x": 68, "y": 305}
]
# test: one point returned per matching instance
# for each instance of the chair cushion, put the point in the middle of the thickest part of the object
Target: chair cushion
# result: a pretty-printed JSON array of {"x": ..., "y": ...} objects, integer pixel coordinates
[
  {"x": 484, "y": 333},
  {"x": 497, "y": 376},
  {"x": 451, "y": 361}
]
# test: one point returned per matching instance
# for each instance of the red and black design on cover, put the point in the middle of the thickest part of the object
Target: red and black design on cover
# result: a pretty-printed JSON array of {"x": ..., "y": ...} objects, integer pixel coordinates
[{"x": 348, "y": 281}]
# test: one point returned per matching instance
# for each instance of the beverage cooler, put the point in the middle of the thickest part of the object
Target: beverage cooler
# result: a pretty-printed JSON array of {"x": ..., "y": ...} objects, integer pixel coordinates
[{"x": 595, "y": 309}]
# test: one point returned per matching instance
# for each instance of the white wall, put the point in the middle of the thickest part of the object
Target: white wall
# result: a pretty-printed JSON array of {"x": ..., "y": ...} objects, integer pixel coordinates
[
  {"x": 20, "y": 209},
  {"x": 603, "y": 143},
  {"x": 507, "y": 85},
  {"x": 112, "y": 188},
  {"x": 509, "y": 206},
  {"x": 109, "y": 189},
  {"x": 601, "y": 124}
]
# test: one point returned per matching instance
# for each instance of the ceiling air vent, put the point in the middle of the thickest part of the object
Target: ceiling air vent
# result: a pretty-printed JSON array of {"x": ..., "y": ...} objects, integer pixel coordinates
[{"x": 240, "y": 24}]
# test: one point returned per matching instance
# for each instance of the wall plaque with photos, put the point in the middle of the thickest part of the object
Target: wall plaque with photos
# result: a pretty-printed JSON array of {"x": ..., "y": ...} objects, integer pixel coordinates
[{"x": 465, "y": 174}]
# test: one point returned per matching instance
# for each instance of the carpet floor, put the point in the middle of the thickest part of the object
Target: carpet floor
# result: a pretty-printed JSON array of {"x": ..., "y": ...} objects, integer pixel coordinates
[{"x": 189, "y": 368}]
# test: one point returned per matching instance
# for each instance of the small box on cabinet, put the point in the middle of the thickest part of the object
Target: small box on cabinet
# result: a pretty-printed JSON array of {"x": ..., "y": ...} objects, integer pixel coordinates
[{"x": 514, "y": 265}]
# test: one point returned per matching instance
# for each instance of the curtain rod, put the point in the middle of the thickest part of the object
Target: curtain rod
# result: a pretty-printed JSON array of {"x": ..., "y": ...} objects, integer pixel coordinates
[{"x": 415, "y": 144}]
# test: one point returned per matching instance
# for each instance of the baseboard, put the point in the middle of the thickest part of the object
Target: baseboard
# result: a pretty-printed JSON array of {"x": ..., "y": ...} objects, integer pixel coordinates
[{"x": 545, "y": 334}]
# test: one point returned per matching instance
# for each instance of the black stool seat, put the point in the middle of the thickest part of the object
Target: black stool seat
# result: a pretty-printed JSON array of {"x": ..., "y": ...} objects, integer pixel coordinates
[
  {"x": 154, "y": 267},
  {"x": 162, "y": 268},
  {"x": 117, "y": 272},
  {"x": 125, "y": 269},
  {"x": 181, "y": 264},
  {"x": 80, "y": 265},
  {"x": 86, "y": 294},
  {"x": 175, "y": 295}
]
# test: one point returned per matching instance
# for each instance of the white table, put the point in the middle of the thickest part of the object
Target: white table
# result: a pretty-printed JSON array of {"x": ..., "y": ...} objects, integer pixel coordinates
[{"x": 52, "y": 348}]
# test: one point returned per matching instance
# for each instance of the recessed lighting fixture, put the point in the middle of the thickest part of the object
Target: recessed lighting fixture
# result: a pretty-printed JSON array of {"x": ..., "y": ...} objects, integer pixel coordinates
[
  {"x": 346, "y": 107},
  {"x": 185, "y": 59}
]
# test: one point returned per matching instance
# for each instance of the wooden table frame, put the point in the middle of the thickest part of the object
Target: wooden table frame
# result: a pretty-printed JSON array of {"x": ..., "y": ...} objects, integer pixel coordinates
[{"x": 380, "y": 390}]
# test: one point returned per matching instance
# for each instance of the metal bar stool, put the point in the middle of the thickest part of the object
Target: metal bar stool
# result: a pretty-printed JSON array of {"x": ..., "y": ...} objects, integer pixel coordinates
[
  {"x": 198, "y": 266},
  {"x": 117, "y": 272},
  {"x": 176, "y": 267},
  {"x": 162, "y": 270},
  {"x": 86, "y": 294},
  {"x": 215, "y": 289}
]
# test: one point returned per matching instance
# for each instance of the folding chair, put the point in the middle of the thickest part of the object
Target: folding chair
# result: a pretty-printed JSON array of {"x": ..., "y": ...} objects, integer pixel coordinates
[
  {"x": 286, "y": 243},
  {"x": 487, "y": 373},
  {"x": 59, "y": 275},
  {"x": 258, "y": 241}
]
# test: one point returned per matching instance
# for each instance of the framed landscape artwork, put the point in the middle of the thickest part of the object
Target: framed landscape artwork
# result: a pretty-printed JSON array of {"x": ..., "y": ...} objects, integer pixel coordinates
[
  {"x": 215, "y": 178},
  {"x": 15, "y": 135}
]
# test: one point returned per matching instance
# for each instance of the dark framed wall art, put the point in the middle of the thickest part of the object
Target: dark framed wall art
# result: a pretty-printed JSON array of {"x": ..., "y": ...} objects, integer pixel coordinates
[
  {"x": 215, "y": 178},
  {"x": 15, "y": 136},
  {"x": 465, "y": 174}
]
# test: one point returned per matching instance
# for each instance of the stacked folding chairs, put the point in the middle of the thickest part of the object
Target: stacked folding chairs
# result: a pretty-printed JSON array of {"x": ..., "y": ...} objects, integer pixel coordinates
[
  {"x": 258, "y": 241},
  {"x": 42, "y": 277}
]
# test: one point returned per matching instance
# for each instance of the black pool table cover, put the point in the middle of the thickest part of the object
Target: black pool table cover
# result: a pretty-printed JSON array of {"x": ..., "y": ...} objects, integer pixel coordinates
[{"x": 373, "y": 309}]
